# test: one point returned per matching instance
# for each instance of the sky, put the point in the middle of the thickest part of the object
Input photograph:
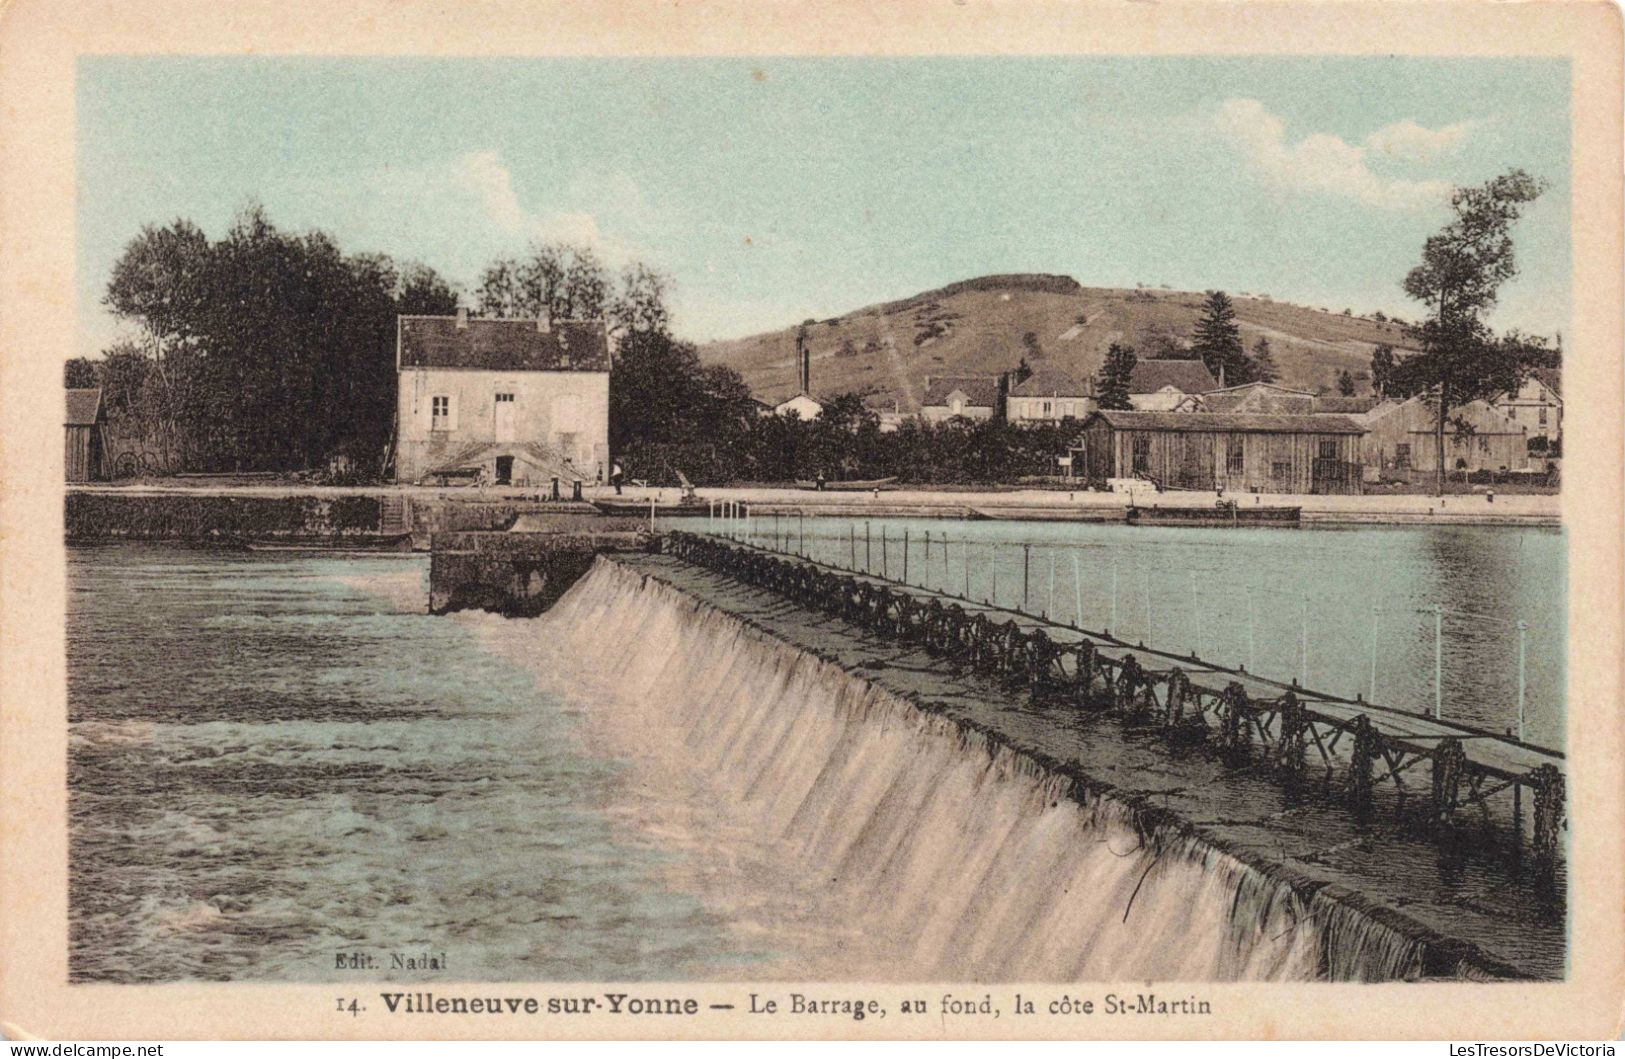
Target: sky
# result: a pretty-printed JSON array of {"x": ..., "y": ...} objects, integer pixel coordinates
[{"x": 775, "y": 189}]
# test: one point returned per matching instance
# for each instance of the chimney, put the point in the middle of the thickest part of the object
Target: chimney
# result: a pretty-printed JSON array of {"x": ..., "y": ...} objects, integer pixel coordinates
[
  {"x": 462, "y": 318},
  {"x": 544, "y": 322},
  {"x": 806, "y": 362}
]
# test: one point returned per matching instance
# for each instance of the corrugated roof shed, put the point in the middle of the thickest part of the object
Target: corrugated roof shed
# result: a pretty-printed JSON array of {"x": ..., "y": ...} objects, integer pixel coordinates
[
  {"x": 84, "y": 407},
  {"x": 1187, "y": 376},
  {"x": 503, "y": 345},
  {"x": 1346, "y": 405},
  {"x": 1254, "y": 423},
  {"x": 1052, "y": 382},
  {"x": 981, "y": 391}
]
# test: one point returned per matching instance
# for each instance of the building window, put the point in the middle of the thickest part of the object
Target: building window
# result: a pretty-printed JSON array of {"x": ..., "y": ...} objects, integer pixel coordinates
[
  {"x": 1483, "y": 443},
  {"x": 1280, "y": 470},
  {"x": 1328, "y": 448},
  {"x": 503, "y": 398},
  {"x": 1402, "y": 457},
  {"x": 440, "y": 413},
  {"x": 1542, "y": 415},
  {"x": 1142, "y": 454},
  {"x": 1046, "y": 409},
  {"x": 1235, "y": 460}
]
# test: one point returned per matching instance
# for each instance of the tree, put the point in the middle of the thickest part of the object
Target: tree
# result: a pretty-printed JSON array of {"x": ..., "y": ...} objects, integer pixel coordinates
[
  {"x": 1023, "y": 372},
  {"x": 1218, "y": 341},
  {"x": 639, "y": 305},
  {"x": 1029, "y": 342},
  {"x": 80, "y": 373},
  {"x": 1112, "y": 383},
  {"x": 556, "y": 280},
  {"x": 1345, "y": 383},
  {"x": 1263, "y": 361},
  {"x": 1463, "y": 267},
  {"x": 1382, "y": 369}
]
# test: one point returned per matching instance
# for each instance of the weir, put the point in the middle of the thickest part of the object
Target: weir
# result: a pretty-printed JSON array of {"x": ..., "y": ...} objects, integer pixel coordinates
[{"x": 1321, "y": 810}]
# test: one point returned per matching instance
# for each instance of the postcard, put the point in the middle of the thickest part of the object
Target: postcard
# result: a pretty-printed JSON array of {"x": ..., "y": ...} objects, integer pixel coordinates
[{"x": 849, "y": 520}]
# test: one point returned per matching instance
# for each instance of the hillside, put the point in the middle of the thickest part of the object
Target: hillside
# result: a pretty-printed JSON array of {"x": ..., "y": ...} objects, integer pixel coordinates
[{"x": 980, "y": 326}]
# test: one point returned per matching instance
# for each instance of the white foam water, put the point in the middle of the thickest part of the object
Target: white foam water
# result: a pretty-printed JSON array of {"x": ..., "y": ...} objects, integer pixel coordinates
[{"x": 923, "y": 848}]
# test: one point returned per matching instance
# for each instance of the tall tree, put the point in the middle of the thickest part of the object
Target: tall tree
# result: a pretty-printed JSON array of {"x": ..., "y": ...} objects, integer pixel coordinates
[
  {"x": 639, "y": 306},
  {"x": 1263, "y": 361},
  {"x": 1382, "y": 369},
  {"x": 1463, "y": 267},
  {"x": 1112, "y": 383},
  {"x": 1218, "y": 341},
  {"x": 80, "y": 373},
  {"x": 1345, "y": 383}
]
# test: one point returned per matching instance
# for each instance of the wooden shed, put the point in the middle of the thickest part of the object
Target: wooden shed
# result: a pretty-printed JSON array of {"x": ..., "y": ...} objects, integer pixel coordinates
[
  {"x": 1256, "y": 453},
  {"x": 84, "y": 425},
  {"x": 1400, "y": 443}
]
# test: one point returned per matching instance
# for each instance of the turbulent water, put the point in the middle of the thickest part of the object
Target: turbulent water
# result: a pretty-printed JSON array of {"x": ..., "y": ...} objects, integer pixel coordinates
[{"x": 278, "y": 760}]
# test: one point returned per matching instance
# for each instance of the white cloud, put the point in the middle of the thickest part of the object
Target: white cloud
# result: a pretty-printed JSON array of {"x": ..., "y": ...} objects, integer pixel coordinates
[
  {"x": 483, "y": 175},
  {"x": 1409, "y": 142},
  {"x": 1331, "y": 165}
]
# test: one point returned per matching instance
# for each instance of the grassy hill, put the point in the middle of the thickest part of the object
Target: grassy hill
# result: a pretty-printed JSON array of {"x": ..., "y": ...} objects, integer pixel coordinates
[{"x": 980, "y": 325}]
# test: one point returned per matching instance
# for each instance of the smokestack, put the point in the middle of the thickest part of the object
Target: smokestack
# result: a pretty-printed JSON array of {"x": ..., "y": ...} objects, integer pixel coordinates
[
  {"x": 462, "y": 318},
  {"x": 806, "y": 362}
]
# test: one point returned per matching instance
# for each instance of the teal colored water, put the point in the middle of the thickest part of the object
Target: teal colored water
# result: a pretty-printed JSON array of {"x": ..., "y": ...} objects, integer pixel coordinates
[
  {"x": 1347, "y": 611},
  {"x": 275, "y": 760}
]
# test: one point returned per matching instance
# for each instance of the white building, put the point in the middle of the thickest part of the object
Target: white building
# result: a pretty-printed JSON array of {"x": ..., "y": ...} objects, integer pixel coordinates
[
  {"x": 1537, "y": 407},
  {"x": 1160, "y": 385},
  {"x": 516, "y": 401},
  {"x": 1049, "y": 396}
]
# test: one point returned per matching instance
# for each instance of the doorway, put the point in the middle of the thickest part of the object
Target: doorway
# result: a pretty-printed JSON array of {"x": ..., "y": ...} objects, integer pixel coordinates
[
  {"x": 504, "y": 417},
  {"x": 504, "y": 470}
]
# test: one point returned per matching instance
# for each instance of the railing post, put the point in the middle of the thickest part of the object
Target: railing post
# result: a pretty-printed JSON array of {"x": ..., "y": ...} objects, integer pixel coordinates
[
  {"x": 1049, "y": 604},
  {"x": 868, "y": 549},
  {"x": 1196, "y": 619},
  {"x": 1145, "y": 585},
  {"x": 884, "y": 570},
  {"x": 1523, "y": 646},
  {"x": 1077, "y": 594},
  {"x": 1252, "y": 630},
  {"x": 1438, "y": 661},
  {"x": 1371, "y": 692},
  {"x": 905, "y": 556},
  {"x": 993, "y": 571},
  {"x": 1303, "y": 643},
  {"x": 1115, "y": 624},
  {"x": 964, "y": 546},
  {"x": 852, "y": 539},
  {"x": 1026, "y": 564}
]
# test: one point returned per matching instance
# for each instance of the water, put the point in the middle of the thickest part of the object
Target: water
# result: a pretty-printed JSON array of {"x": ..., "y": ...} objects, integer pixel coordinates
[
  {"x": 1348, "y": 611},
  {"x": 275, "y": 759}
]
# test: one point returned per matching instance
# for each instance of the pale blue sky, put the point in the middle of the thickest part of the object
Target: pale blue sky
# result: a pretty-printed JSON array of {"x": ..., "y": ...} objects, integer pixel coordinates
[{"x": 777, "y": 189}]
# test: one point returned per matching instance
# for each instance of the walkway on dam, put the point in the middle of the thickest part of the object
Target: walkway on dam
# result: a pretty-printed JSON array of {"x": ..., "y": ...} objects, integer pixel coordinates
[{"x": 1475, "y": 909}]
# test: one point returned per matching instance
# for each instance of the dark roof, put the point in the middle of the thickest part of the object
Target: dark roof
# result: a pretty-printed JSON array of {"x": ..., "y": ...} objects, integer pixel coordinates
[
  {"x": 1052, "y": 382},
  {"x": 1219, "y": 422},
  {"x": 503, "y": 345},
  {"x": 1346, "y": 405},
  {"x": 1187, "y": 376},
  {"x": 982, "y": 391},
  {"x": 84, "y": 407}
]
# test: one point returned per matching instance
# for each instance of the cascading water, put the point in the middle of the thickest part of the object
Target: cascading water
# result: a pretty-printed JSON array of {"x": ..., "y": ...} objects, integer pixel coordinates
[{"x": 951, "y": 855}]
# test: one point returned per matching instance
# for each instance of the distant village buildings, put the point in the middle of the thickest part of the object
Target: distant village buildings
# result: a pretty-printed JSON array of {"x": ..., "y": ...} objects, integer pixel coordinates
[
  {"x": 1400, "y": 440},
  {"x": 1537, "y": 406},
  {"x": 1049, "y": 396},
  {"x": 1161, "y": 385},
  {"x": 517, "y": 402},
  {"x": 955, "y": 396}
]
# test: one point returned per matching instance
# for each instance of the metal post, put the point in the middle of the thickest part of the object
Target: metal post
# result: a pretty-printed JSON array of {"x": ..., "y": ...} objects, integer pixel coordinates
[
  {"x": 1026, "y": 564},
  {"x": 801, "y": 532},
  {"x": 852, "y": 539},
  {"x": 993, "y": 564},
  {"x": 905, "y": 556},
  {"x": 1196, "y": 619},
  {"x": 868, "y": 549},
  {"x": 1303, "y": 644},
  {"x": 1145, "y": 584},
  {"x": 651, "y": 514},
  {"x": 1114, "y": 596},
  {"x": 884, "y": 571},
  {"x": 1523, "y": 646},
  {"x": 964, "y": 546},
  {"x": 1077, "y": 594},
  {"x": 1371, "y": 692},
  {"x": 1049, "y": 605},
  {"x": 1438, "y": 662},
  {"x": 1252, "y": 631}
]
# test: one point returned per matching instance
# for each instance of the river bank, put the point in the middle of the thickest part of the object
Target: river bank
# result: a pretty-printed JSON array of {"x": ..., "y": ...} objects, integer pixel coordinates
[{"x": 1016, "y": 504}]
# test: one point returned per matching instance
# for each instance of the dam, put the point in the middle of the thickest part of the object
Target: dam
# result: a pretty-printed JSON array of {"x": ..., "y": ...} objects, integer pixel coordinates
[{"x": 1318, "y": 836}]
